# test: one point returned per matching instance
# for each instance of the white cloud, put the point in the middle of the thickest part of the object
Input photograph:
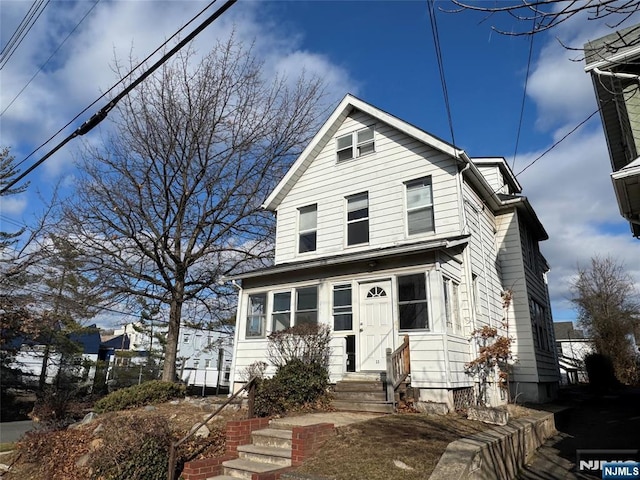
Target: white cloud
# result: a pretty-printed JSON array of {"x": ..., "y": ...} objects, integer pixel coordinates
[
  {"x": 570, "y": 187},
  {"x": 13, "y": 204},
  {"x": 83, "y": 69}
]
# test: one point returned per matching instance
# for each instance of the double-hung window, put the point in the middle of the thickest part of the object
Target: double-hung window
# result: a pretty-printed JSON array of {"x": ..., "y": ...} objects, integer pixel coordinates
[
  {"x": 355, "y": 144},
  {"x": 281, "y": 315},
  {"x": 412, "y": 302},
  {"x": 306, "y": 305},
  {"x": 419, "y": 206},
  {"x": 307, "y": 228},
  {"x": 358, "y": 219},
  {"x": 342, "y": 310},
  {"x": 256, "y": 315}
]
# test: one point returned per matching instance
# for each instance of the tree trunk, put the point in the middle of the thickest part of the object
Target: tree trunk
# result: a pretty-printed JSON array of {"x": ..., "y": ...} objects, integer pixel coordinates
[
  {"x": 171, "y": 348},
  {"x": 45, "y": 365}
]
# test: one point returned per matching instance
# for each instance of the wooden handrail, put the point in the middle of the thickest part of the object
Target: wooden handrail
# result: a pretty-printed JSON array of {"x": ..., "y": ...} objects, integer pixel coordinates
[
  {"x": 398, "y": 367},
  {"x": 250, "y": 386}
]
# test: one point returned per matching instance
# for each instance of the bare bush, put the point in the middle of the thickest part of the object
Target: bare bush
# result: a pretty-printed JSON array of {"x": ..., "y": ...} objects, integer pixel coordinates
[{"x": 306, "y": 342}]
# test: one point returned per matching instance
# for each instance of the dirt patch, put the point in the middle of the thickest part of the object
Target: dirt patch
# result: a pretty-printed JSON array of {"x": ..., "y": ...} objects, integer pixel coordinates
[
  {"x": 405, "y": 446},
  {"x": 62, "y": 454}
]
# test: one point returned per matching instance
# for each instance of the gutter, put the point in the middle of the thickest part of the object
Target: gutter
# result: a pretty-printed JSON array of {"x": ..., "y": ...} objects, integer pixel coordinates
[{"x": 393, "y": 250}]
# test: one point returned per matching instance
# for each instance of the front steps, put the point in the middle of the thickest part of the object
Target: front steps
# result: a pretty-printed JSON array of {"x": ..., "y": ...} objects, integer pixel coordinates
[
  {"x": 362, "y": 392},
  {"x": 270, "y": 450}
]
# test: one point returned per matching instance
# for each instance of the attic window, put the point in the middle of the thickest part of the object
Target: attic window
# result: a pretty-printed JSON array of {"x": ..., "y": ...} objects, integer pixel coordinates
[{"x": 355, "y": 144}]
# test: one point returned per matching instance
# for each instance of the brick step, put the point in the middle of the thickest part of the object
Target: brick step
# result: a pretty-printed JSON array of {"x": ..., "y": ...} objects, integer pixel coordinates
[
  {"x": 241, "y": 468},
  {"x": 350, "y": 406},
  {"x": 272, "y": 437},
  {"x": 360, "y": 396},
  {"x": 270, "y": 455}
]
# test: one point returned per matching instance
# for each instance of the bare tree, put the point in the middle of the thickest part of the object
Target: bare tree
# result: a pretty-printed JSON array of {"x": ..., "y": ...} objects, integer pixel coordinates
[
  {"x": 609, "y": 310},
  {"x": 541, "y": 15},
  {"x": 172, "y": 201}
]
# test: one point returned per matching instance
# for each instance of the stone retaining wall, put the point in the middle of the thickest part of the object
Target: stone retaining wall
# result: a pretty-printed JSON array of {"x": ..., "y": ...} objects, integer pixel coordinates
[{"x": 497, "y": 454}]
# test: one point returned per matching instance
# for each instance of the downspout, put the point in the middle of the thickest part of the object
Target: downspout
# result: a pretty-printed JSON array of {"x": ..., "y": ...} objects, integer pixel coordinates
[{"x": 467, "y": 263}]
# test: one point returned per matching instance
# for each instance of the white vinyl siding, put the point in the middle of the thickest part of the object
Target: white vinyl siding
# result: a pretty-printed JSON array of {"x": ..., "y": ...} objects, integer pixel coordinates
[{"x": 397, "y": 159}]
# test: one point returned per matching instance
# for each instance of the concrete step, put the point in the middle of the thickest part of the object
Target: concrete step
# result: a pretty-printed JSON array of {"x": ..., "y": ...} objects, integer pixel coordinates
[
  {"x": 360, "y": 396},
  {"x": 270, "y": 455},
  {"x": 241, "y": 468},
  {"x": 350, "y": 406},
  {"x": 364, "y": 376},
  {"x": 272, "y": 437},
  {"x": 359, "y": 386},
  {"x": 222, "y": 477}
]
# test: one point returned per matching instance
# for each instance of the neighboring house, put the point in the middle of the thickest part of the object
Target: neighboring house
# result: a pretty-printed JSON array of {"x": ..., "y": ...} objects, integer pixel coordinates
[
  {"x": 204, "y": 356},
  {"x": 614, "y": 64},
  {"x": 385, "y": 231},
  {"x": 30, "y": 354},
  {"x": 572, "y": 349}
]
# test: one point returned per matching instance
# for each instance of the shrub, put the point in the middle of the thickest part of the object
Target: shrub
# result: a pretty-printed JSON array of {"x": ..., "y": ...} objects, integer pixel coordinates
[
  {"x": 155, "y": 391},
  {"x": 601, "y": 372},
  {"x": 308, "y": 343},
  {"x": 295, "y": 385},
  {"x": 133, "y": 448}
]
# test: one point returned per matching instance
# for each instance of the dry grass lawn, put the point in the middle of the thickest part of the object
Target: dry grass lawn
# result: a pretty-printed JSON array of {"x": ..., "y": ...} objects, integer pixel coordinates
[{"x": 368, "y": 449}]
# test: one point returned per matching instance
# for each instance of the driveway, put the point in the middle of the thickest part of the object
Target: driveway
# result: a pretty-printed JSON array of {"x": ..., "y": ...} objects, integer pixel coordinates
[
  {"x": 12, "y": 431},
  {"x": 591, "y": 422}
]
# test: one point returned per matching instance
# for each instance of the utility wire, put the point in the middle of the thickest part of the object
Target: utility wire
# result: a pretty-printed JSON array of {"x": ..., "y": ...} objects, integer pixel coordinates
[
  {"x": 443, "y": 80},
  {"x": 50, "y": 57},
  {"x": 95, "y": 120},
  {"x": 524, "y": 97},
  {"x": 21, "y": 32},
  {"x": 116, "y": 84},
  {"x": 558, "y": 142}
]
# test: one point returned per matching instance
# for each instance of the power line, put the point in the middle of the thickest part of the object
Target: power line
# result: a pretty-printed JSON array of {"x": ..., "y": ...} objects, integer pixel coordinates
[
  {"x": 117, "y": 83},
  {"x": 104, "y": 111},
  {"x": 22, "y": 31},
  {"x": 524, "y": 97},
  {"x": 50, "y": 57},
  {"x": 443, "y": 80},
  {"x": 558, "y": 142}
]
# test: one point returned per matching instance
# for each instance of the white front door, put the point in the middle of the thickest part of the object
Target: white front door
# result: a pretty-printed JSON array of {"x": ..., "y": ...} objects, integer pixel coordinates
[{"x": 376, "y": 324}]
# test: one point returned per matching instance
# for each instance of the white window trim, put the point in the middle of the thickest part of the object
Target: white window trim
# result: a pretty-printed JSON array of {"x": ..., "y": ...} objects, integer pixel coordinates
[
  {"x": 333, "y": 306},
  {"x": 266, "y": 315},
  {"x": 301, "y": 232},
  {"x": 349, "y": 222},
  {"x": 355, "y": 144},
  {"x": 428, "y": 300},
  {"x": 408, "y": 209},
  {"x": 291, "y": 292}
]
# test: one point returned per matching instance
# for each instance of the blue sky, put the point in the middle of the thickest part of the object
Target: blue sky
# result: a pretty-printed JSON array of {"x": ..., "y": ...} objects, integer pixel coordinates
[{"x": 380, "y": 51}]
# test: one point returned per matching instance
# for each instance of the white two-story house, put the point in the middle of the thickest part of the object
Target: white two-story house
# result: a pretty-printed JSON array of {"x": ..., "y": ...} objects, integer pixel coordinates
[{"x": 385, "y": 231}]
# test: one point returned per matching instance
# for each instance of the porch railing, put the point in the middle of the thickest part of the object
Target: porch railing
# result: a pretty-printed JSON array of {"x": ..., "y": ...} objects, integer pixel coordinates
[
  {"x": 398, "y": 367},
  {"x": 250, "y": 387}
]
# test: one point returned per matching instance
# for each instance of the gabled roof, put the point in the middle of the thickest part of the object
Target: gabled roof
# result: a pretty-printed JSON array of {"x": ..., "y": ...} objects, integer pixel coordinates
[
  {"x": 507, "y": 173},
  {"x": 348, "y": 104}
]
